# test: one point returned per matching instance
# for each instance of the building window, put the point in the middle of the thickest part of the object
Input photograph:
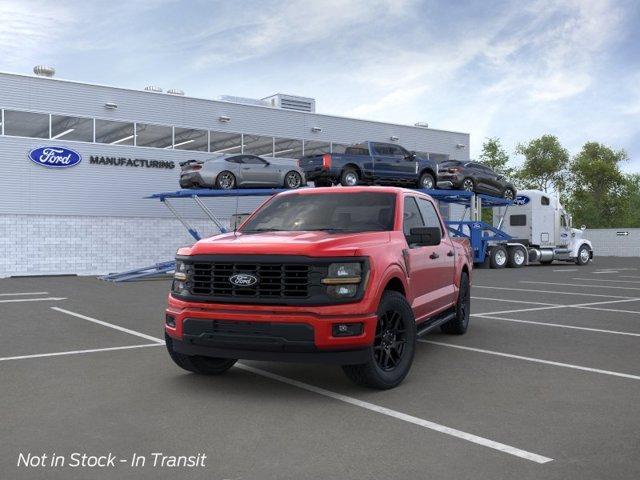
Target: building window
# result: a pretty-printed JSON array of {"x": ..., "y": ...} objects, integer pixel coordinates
[
  {"x": 190, "y": 139},
  {"x": 312, "y": 147},
  {"x": 287, "y": 148},
  {"x": 26, "y": 124},
  {"x": 338, "y": 147},
  {"x": 114, "y": 133},
  {"x": 258, "y": 145},
  {"x": 225, "y": 143},
  {"x": 157, "y": 136},
  {"x": 71, "y": 128}
]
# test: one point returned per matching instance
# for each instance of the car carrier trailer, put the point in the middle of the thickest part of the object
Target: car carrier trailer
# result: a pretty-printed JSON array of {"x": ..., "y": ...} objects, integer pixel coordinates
[{"x": 491, "y": 244}]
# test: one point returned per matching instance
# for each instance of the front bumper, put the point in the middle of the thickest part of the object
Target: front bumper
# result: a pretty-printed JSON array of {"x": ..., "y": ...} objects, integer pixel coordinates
[{"x": 263, "y": 332}]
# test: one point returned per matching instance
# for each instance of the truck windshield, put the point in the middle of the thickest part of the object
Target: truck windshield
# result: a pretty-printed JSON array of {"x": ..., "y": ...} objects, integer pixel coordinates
[{"x": 339, "y": 212}]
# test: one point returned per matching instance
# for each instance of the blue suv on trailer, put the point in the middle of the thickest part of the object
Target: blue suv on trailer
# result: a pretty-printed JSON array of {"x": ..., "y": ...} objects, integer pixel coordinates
[{"x": 371, "y": 163}]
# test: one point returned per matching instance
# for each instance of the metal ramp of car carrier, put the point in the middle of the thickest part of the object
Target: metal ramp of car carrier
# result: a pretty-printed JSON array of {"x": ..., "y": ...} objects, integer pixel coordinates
[{"x": 479, "y": 233}]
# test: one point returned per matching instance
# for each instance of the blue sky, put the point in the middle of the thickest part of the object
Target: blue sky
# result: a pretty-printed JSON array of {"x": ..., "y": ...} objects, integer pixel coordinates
[{"x": 515, "y": 70}]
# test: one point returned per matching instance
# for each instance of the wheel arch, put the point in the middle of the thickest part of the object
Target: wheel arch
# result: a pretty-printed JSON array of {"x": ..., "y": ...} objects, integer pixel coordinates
[{"x": 353, "y": 166}]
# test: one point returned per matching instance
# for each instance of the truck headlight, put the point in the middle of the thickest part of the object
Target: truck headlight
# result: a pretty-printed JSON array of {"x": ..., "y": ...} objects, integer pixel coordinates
[
  {"x": 180, "y": 278},
  {"x": 343, "y": 279}
]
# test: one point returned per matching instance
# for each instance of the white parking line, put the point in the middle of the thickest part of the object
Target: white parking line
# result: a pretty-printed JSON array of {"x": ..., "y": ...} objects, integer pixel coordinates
[
  {"x": 605, "y": 280},
  {"x": 546, "y": 324},
  {"x": 629, "y": 276},
  {"x": 581, "y": 285},
  {"x": 23, "y": 293},
  {"x": 536, "y": 360},
  {"x": 575, "y": 305},
  {"x": 402, "y": 416},
  {"x": 110, "y": 325},
  {"x": 77, "y": 352},
  {"x": 567, "y": 270},
  {"x": 513, "y": 301},
  {"x": 45, "y": 299},
  {"x": 606, "y": 272},
  {"x": 529, "y": 290}
]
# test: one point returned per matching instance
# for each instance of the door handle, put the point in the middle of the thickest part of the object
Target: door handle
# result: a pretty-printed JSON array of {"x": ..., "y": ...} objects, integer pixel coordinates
[
  {"x": 434, "y": 255},
  {"x": 450, "y": 253}
]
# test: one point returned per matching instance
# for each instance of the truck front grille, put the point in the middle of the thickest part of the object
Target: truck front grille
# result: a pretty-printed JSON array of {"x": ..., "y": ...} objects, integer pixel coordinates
[{"x": 275, "y": 280}]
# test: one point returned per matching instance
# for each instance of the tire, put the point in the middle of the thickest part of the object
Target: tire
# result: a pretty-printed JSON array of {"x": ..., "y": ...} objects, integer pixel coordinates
[
  {"x": 349, "y": 177},
  {"x": 498, "y": 257},
  {"x": 427, "y": 182},
  {"x": 225, "y": 180},
  {"x": 395, "y": 332},
  {"x": 459, "y": 324},
  {"x": 508, "y": 193},
  {"x": 584, "y": 255},
  {"x": 197, "y": 364},
  {"x": 517, "y": 257},
  {"x": 468, "y": 185},
  {"x": 292, "y": 180}
]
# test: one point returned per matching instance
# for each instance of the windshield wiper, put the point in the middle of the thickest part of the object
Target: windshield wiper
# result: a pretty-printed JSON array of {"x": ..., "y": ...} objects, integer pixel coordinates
[{"x": 259, "y": 230}]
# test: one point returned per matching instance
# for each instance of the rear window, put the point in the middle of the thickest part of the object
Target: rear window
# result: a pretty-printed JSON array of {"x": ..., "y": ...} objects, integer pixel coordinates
[
  {"x": 450, "y": 163},
  {"x": 339, "y": 212},
  {"x": 357, "y": 150}
]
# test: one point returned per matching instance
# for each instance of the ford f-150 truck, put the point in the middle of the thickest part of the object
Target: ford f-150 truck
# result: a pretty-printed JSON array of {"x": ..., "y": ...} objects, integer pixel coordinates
[
  {"x": 348, "y": 276},
  {"x": 371, "y": 163}
]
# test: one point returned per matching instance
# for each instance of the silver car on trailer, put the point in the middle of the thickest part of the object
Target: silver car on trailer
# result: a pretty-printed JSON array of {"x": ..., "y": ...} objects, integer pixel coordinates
[{"x": 241, "y": 170}]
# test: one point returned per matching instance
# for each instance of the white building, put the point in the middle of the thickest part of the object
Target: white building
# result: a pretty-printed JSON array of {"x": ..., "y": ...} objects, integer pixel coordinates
[{"x": 92, "y": 218}]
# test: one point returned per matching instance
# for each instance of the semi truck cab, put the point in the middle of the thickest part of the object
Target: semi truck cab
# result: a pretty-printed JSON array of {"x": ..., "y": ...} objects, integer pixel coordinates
[{"x": 539, "y": 222}]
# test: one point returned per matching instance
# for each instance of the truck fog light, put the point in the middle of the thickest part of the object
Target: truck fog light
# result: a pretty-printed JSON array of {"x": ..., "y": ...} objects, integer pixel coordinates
[
  {"x": 342, "y": 291},
  {"x": 346, "y": 329},
  {"x": 170, "y": 321}
]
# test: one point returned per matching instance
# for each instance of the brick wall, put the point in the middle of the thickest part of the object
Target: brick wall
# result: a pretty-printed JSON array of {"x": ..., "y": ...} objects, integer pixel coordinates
[{"x": 51, "y": 245}]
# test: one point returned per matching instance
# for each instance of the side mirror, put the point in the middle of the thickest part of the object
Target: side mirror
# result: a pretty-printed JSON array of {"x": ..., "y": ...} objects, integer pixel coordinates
[
  {"x": 410, "y": 156},
  {"x": 583, "y": 227},
  {"x": 424, "y": 236}
]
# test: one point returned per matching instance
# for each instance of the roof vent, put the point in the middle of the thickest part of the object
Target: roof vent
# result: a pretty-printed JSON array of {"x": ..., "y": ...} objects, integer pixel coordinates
[
  {"x": 292, "y": 102},
  {"x": 422, "y": 124},
  {"x": 153, "y": 88},
  {"x": 44, "y": 71},
  {"x": 175, "y": 91}
]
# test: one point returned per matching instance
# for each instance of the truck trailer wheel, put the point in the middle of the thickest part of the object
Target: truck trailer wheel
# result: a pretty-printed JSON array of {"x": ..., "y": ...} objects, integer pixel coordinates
[
  {"x": 517, "y": 257},
  {"x": 459, "y": 324},
  {"x": 498, "y": 257},
  {"x": 196, "y": 364},
  {"x": 584, "y": 255},
  {"x": 391, "y": 354}
]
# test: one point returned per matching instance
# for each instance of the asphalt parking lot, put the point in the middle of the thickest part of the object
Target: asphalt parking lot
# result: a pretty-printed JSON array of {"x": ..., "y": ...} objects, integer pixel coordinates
[{"x": 545, "y": 384}]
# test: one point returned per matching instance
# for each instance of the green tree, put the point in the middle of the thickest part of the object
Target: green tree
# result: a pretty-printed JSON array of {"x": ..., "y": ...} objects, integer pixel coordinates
[
  {"x": 495, "y": 157},
  {"x": 599, "y": 193},
  {"x": 545, "y": 164}
]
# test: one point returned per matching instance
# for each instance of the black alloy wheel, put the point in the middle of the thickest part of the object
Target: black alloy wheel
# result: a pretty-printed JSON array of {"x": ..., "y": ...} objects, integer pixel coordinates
[
  {"x": 390, "y": 340},
  {"x": 394, "y": 345}
]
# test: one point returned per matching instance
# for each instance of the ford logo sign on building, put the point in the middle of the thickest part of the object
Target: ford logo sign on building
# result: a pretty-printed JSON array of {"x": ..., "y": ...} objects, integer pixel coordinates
[
  {"x": 55, "y": 157},
  {"x": 243, "y": 280}
]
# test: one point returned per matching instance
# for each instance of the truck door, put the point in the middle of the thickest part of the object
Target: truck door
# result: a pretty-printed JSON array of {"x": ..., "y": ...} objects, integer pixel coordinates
[
  {"x": 564, "y": 231},
  {"x": 431, "y": 276},
  {"x": 391, "y": 163}
]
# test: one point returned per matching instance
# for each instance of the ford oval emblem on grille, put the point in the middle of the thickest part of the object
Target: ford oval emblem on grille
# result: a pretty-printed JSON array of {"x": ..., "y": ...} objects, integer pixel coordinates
[{"x": 243, "y": 280}]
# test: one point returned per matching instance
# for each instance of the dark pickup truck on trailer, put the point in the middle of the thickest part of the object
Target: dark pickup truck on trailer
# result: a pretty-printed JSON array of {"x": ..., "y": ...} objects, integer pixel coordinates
[
  {"x": 371, "y": 163},
  {"x": 348, "y": 276}
]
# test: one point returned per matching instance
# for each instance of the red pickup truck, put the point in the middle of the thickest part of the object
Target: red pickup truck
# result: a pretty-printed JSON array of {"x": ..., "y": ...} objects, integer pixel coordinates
[{"x": 348, "y": 276}]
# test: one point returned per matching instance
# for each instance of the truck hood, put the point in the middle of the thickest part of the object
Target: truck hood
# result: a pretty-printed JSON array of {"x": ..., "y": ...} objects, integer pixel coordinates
[{"x": 311, "y": 244}]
